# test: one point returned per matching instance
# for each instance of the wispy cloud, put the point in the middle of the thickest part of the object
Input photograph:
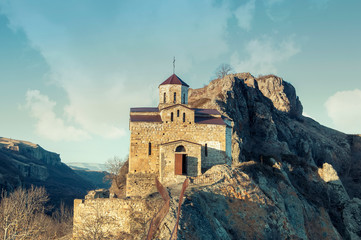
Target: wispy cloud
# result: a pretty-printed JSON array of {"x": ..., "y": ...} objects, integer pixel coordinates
[
  {"x": 264, "y": 54},
  {"x": 244, "y": 14},
  {"x": 110, "y": 60},
  {"x": 344, "y": 108},
  {"x": 48, "y": 124},
  {"x": 278, "y": 10}
]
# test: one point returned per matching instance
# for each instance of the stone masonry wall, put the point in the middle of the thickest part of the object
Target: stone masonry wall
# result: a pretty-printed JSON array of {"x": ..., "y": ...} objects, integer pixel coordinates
[
  {"x": 169, "y": 89},
  {"x": 140, "y": 184},
  {"x": 143, "y": 133},
  {"x": 113, "y": 217},
  {"x": 229, "y": 142},
  {"x": 207, "y": 178},
  {"x": 178, "y": 112},
  {"x": 167, "y": 159}
]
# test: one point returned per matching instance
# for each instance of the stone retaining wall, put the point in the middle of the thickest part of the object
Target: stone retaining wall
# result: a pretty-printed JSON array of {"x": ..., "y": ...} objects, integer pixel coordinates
[
  {"x": 140, "y": 184},
  {"x": 113, "y": 218},
  {"x": 207, "y": 178}
]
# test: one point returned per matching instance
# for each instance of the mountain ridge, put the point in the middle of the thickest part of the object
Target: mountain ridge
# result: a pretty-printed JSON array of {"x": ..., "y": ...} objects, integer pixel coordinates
[
  {"x": 87, "y": 166},
  {"x": 23, "y": 164}
]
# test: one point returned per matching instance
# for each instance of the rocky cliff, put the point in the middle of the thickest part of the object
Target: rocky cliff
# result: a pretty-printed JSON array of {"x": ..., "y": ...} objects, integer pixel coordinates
[
  {"x": 23, "y": 164},
  {"x": 291, "y": 178}
]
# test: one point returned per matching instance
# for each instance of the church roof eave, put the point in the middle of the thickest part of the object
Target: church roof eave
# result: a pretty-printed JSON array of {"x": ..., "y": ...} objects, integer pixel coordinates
[{"x": 180, "y": 140}]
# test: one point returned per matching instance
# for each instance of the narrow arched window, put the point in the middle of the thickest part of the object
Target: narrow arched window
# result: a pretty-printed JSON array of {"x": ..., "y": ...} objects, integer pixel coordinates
[
  {"x": 175, "y": 97},
  {"x": 205, "y": 150},
  {"x": 164, "y": 97},
  {"x": 149, "y": 148},
  {"x": 184, "y": 98},
  {"x": 177, "y": 113},
  {"x": 184, "y": 117},
  {"x": 171, "y": 117}
]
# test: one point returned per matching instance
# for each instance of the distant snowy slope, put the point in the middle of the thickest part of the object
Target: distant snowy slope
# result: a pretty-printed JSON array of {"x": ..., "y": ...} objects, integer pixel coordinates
[{"x": 87, "y": 166}]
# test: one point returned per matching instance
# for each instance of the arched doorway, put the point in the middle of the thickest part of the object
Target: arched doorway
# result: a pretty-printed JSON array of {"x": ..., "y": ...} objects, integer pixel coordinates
[{"x": 180, "y": 161}]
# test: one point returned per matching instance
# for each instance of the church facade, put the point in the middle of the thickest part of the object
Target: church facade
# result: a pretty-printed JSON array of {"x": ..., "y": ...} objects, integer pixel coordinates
[{"x": 174, "y": 141}]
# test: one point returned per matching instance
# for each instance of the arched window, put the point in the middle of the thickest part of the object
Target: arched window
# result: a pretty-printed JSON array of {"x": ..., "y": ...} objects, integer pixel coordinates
[
  {"x": 180, "y": 148},
  {"x": 175, "y": 97},
  {"x": 149, "y": 148},
  {"x": 184, "y": 117},
  {"x": 164, "y": 97},
  {"x": 171, "y": 117},
  {"x": 184, "y": 98},
  {"x": 205, "y": 150},
  {"x": 177, "y": 113}
]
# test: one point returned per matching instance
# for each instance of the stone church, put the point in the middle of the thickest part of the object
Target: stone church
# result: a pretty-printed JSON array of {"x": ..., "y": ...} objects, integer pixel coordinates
[{"x": 174, "y": 141}]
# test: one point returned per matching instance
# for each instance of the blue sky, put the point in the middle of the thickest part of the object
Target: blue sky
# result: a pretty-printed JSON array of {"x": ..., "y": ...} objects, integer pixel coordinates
[{"x": 70, "y": 70}]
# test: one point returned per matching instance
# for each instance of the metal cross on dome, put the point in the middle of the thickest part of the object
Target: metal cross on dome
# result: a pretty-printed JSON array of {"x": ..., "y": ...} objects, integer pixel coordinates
[{"x": 173, "y": 65}]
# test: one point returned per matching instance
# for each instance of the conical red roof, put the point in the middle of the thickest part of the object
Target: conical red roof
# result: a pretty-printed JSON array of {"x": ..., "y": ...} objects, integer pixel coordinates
[{"x": 174, "y": 79}]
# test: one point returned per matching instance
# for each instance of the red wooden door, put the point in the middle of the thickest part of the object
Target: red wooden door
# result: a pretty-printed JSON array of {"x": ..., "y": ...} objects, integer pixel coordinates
[{"x": 178, "y": 167}]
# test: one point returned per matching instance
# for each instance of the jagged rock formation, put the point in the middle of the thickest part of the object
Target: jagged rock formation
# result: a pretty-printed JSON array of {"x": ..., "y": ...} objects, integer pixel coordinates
[
  {"x": 297, "y": 178},
  {"x": 23, "y": 164},
  {"x": 281, "y": 93},
  {"x": 33, "y": 169}
]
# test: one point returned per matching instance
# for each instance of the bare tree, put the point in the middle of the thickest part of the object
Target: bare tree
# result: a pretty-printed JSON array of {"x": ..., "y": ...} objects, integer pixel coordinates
[
  {"x": 223, "y": 70},
  {"x": 119, "y": 181},
  {"x": 113, "y": 165},
  {"x": 22, "y": 214}
]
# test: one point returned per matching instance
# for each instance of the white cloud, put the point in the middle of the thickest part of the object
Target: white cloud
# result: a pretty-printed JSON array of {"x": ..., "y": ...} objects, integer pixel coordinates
[
  {"x": 110, "y": 60},
  {"x": 244, "y": 14},
  {"x": 263, "y": 55},
  {"x": 48, "y": 124},
  {"x": 278, "y": 10},
  {"x": 344, "y": 108}
]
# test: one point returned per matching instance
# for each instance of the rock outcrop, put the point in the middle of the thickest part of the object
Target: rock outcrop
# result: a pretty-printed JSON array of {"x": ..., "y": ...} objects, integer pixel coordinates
[
  {"x": 281, "y": 93},
  {"x": 352, "y": 218},
  {"x": 24, "y": 163},
  {"x": 31, "y": 150},
  {"x": 33, "y": 169},
  {"x": 291, "y": 177},
  {"x": 254, "y": 201}
]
